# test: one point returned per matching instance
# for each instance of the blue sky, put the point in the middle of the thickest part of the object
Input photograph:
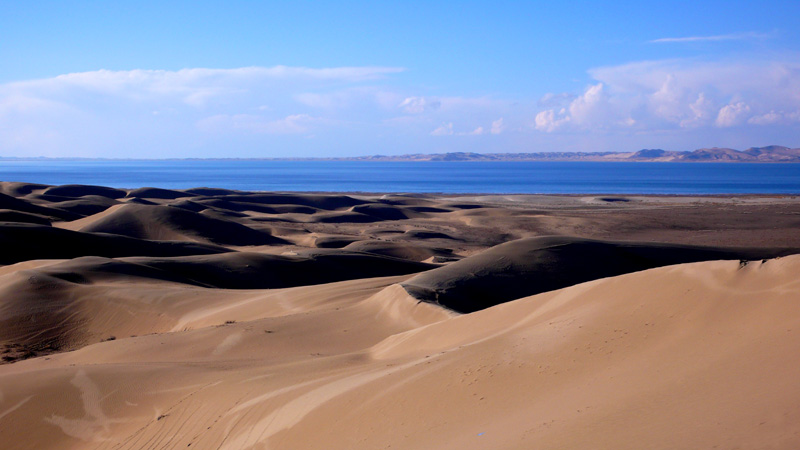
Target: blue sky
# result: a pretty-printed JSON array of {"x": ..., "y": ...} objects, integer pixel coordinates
[{"x": 267, "y": 79}]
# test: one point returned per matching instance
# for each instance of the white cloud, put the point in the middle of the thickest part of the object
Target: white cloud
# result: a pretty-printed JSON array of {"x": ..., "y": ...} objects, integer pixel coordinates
[
  {"x": 702, "y": 109},
  {"x": 551, "y": 100},
  {"x": 418, "y": 105},
  {"x": 674, "y": 94},
  {"x": 589, "y": 107},
  {"x": 766, "y": 119},
  {"x": 103, "y": 111},
  {"x": 444, "y": 130},
  {"x": 714, "y": 38},
  {"x": 498, "y": 126},
  {"x": 292, "y": 124},
  {"x": 549, "y": 121},
  {"x": 266, "y": 111},
  {"x": 194, "y": 87},
  {"x": 775, "y": 117},
  {"x": 353, "y": 97},
  {"x": 587, "y": 110},
  {"x": 733, "y": 114}
]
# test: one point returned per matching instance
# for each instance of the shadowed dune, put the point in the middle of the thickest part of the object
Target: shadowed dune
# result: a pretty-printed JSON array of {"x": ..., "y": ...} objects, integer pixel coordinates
[
  {"x": 15, "y": 204},
  {"x": 20, "y": 189},
  {"x": 86, "y": 205},
  {"x": 530, "y": 266},
  {"x": 7, "y": 215},
  {"x": 385, "y": 212},
  {"x": 224, "y": 203},
  {"x": 150, "y": 192},
  {"x": 343, "y": 217},
  {"x": 423, "y": 234},
  {"x": 243, "y": 270},
  {"x": 428, "y": 209},
  {"x": 139, "y": 201},
  {"x": 46, "y": 309},
  {"x": 189, "y": 205},
  {"x": 328, "y": 202},
  {"x": 334, "y": 241},
  {"x": 397, "y": 250},
  {"x": 22, "y": 242},
  {"x": 205, "y": 191},
  {"x": 169, "y": 223},
  {"x": 77, "y": 190}
]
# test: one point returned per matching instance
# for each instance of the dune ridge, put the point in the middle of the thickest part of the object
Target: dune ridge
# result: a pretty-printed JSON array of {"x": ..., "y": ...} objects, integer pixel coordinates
[{"x": 529, "y": 266}]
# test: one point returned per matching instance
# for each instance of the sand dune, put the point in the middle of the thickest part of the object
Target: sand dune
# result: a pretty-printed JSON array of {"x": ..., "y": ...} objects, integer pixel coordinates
[
  {"x": 77, "y": 190},
  {"x": 422, "y": 234},
  {"x": 9, "y": 215},
  {"x": 242, "y": 270},
  {"x": 150, "y": 192},
  {"x": 22, "y": 242},
  {"x": 171, "y": 224},
  {"x": 15, "y": 204},
  {"x": 333, "y": 241},
  {"x": 530, "y": 266},
  {"x": 240, "y": 206},
  {"x": 177, "y": 319},
  {"x": 612, "y": 363},
  {"x": 327, "y": 202},
  {"x": 385, "y": 212},
  {"x": 397, "y": 249},
  {"x": 86, "y": 205},
  {"x": 18, "y": 189},
  {"x": 47, "y": 309}
]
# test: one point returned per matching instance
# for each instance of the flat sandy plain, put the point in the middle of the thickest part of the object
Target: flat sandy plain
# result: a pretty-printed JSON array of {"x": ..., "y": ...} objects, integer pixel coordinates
[{"x": 214, "y": 319}]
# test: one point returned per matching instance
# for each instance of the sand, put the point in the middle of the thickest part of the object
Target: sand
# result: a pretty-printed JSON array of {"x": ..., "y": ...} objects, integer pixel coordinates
[{"x": 215, "y": 319}]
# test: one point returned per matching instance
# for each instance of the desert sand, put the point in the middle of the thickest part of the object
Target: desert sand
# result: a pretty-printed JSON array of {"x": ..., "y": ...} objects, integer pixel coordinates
[{"x": 215, "y": 319}]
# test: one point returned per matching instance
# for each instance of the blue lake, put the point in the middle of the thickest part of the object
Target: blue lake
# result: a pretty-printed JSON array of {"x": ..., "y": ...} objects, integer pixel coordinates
[{"x": 440, "y": 177}]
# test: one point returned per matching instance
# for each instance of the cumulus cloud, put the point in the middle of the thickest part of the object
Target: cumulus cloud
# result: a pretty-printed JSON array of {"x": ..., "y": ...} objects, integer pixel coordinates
[
  {"x": 701, "y": 110},
  {"x": 587, "y": 110},
  {"x": 477, "y": 131},
  {"x": 674, "y": 94},
  {"x": 550, "y": 121},
  {"x": 733, "y": 114},
  {"x": 498, "y": 126}
]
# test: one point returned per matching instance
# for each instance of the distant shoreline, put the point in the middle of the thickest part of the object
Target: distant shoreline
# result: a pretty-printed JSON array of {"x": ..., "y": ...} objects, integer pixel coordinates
[{"x": 769, "y": 154}]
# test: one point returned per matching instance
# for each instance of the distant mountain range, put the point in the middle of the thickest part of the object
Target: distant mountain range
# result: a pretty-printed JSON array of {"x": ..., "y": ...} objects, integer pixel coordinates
[{"x": 769, "y": 154}]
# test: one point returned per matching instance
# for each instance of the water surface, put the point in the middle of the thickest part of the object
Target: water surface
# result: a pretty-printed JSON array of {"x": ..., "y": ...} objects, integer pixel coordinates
[{"x": 441, "y": 177}]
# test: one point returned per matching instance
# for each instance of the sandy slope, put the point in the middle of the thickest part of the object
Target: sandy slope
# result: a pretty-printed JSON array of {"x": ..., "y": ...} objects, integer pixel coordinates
[
  {"x": 689, "y": 356},
  {"x": 216, "y": 319}
]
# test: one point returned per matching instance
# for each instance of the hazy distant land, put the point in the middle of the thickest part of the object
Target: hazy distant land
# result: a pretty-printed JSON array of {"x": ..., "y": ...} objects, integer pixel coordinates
[
  {"x": 772, "y": 153},
  {"x": 768, "y": 154}
]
